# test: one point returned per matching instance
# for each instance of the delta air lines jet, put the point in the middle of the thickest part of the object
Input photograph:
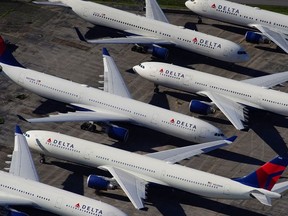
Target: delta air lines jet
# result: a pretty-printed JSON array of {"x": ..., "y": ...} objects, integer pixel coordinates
[
  {"x": 271, "y": 26},
  {"x": 133, "y": 171},
  {"x": 233, "y": 98},
  {"x": 150, "y": 33},
  {"x": 114, "y": 104},
  {"x": 21, "y": 187}
]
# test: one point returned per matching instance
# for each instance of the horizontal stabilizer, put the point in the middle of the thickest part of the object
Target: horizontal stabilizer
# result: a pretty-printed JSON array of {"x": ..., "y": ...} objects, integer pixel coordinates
[
  {"x": 262, "y": 198},
  {"x": 280, "y": 187}
]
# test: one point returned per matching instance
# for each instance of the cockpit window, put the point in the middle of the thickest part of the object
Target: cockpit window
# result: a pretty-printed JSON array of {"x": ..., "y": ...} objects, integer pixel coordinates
[
  {"x": 241, "y": 52},
  {"x": 219, "y": 134},
  {"x": 142, "y": 66}
]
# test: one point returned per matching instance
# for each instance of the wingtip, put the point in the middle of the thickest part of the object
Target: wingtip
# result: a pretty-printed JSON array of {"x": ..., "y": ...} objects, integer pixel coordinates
[
  {"x": 18, "y": 130},
  {"x": 231, "y": 139},
  {"x": 105, "y": 52},
  {"x": 22, "y": 118}
]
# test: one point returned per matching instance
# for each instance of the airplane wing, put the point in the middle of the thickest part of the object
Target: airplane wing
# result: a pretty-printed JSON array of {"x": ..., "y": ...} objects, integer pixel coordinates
[
  {"x": 113, "y": 81},
  {"x": 79, "y": 116},
  {"x": 133, "y": 187},
  {"x": 269, "y": 80},
  {"x": 235, "y": 112},
  {"x": 51, "y": 3},
  {"x": 22, "y": 163},
  {"x": 153, "y": 11},
  {"x": 278, "y": 38},
  {"x": 178, "y": 154},
  {"x": 130, "y": 40}
]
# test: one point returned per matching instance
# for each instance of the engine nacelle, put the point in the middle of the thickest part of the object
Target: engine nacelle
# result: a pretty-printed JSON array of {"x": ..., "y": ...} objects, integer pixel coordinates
[
  {"x": 13, "y": 212},
  {"x": 201, "y": 107},
  {"x": 256, "y": 37},
  {"x": 100, "y": 183},
  {"x": 159, "y": 52},
  {"x": 118, "y": 133}
]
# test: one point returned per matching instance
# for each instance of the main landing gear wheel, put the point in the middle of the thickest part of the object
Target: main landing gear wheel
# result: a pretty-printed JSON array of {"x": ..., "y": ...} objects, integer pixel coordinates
[
  {"x": 88, "y": 126},
  {"x": 42, "y": 159}
]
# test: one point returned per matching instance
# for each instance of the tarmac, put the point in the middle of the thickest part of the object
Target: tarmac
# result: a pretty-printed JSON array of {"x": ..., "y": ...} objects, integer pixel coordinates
[{"x": 44, "y": 40}]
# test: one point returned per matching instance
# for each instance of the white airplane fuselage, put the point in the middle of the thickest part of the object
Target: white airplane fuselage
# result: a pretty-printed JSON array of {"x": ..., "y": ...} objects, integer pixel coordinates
[
  {"x": 52, "y": 199},
  {"x": 149, "y": 169},
  {"x": 239, "y": 14},
  {"x": 196, "y": 82},
  {"x": 146, "y": 115},
  {"x": 190, "y": 40}
]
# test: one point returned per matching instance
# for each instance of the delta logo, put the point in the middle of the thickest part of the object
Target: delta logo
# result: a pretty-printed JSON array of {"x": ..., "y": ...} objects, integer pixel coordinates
[
  {"x": 90, "y": 209},
  {"x": 213, "y": 6},
  {"x": 182, "y": 124},
  {"x": 226, "y": 9},
  {"x": 172, "y": 74},
  {"x": 59, "y": 143},
  {"x": 206, "y": 43},
  {"x": 161, "y": 70}
]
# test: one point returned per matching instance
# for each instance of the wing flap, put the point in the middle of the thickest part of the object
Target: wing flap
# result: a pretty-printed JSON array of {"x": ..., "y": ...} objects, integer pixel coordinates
[
  {"x": 132, "y": 186},
  {"x": 278, "y": 38},
  {"x": 153, "y": 11},
  {"x": 178, "y": 154},
  {"x": 232, "y": 110},
  {"x": 113, "y": 81},
  {"x": 22, "y": 164},
  {"x": 269, "y": 80}
]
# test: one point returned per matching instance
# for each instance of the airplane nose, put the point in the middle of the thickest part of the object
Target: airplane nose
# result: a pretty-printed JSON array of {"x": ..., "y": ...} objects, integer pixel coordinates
[{"x": 135, "y": 69}]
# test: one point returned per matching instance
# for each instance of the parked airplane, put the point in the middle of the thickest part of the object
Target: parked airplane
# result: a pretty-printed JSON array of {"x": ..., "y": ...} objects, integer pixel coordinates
[
  {"x": 21, "y": 186},
  {"x": 152, "y": 31},
  {"x": 272, "y": 26},
  {"x": 233, "y": 98},
  {"x": 133, "y": 171},
  {"x": 114, "y": 104},
  {"x": 130, "y": 170}
]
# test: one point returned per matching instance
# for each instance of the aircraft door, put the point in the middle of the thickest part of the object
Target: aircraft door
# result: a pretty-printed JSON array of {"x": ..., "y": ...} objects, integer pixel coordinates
[{"x": 58, "y": 202}]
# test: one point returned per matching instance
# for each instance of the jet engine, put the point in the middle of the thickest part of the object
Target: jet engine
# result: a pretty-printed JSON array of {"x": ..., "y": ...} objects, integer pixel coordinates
[
  {"x": 155, "y": 50},
  {"x": 13, "y": 212},
  {"x": 100, "y": 183},
  {"x": 118, "y": 133},
  {"x": 201, "y": 107},
  {"x": 256, "y": 37}
]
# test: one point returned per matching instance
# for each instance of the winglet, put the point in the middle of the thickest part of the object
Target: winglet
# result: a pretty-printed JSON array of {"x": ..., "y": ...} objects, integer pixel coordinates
[
  {"x": 18, "y": 130},
  {"x": 105, "y": 52},
  {"x": 22, "y": 118},
  {"x": 80, "y": 35},
  {"x": 231, "y": 139}
]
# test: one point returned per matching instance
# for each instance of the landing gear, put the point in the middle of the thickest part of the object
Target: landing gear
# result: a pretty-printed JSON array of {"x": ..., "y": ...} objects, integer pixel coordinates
[
  {"x": 156, "y": 89},
  {"x": 42, "y": 159},
  {"x": 88, "y": 126},
  {"x": 139, "y": 49},
  {"x": 200, "y": 20}
]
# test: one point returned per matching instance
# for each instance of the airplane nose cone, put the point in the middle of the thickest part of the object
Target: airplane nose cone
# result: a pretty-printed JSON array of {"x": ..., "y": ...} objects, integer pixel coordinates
[{"x": 135, "y": 68}]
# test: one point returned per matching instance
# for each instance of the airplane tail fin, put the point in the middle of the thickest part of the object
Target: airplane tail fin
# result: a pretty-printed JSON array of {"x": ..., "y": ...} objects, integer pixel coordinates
[
  {"x": 6, "y": 55},
  {"x": 267, "y": 175}
]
